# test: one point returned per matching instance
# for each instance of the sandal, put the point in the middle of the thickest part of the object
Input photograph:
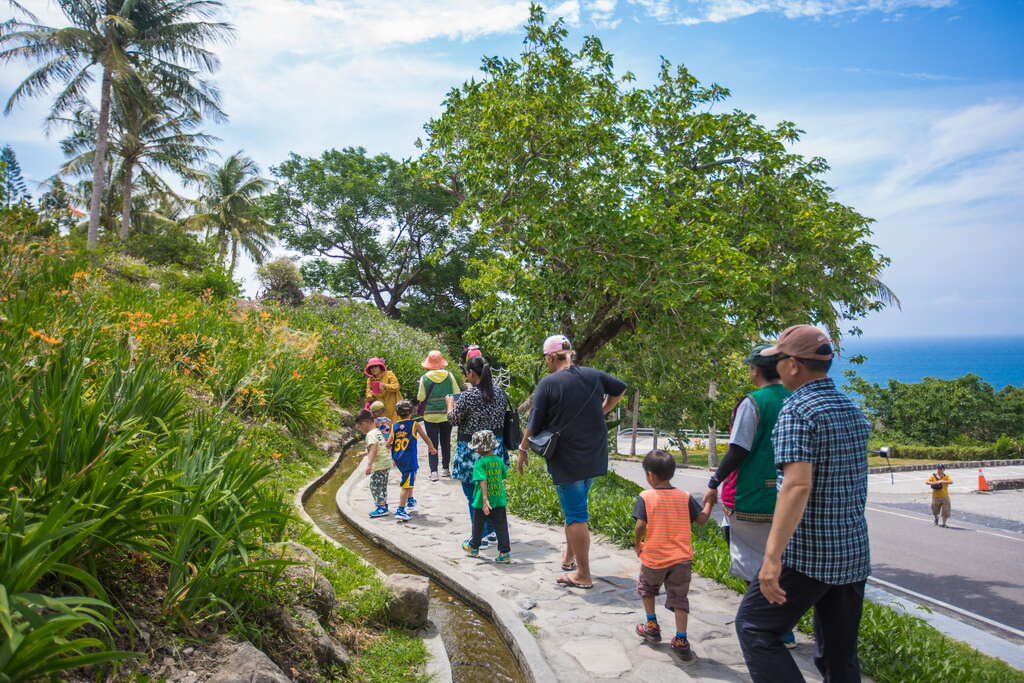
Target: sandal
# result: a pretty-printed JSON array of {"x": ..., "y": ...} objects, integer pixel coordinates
[
  {"x": 569, "y": 583},
  {"x": 569, "y": 567}
]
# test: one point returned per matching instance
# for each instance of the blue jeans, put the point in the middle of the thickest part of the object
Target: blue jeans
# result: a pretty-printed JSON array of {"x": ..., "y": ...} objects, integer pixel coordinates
[{"x": 469, "y": 488}]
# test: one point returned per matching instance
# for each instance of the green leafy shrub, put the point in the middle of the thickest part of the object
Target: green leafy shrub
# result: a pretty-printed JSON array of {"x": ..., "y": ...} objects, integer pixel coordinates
[
  {"x": 281, "y": 280},
  {"x": 213, "y": 280},
  {"x": 170, "y": 247},
  {"x": 1004, "y": 449}
]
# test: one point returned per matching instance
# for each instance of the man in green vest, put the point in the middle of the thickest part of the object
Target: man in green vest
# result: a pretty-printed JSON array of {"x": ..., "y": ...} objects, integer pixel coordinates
[{"x": 748, "y": 469}]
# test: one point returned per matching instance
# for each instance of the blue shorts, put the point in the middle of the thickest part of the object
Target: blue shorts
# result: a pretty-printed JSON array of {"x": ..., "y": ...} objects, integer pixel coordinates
[
  {"x": 574, "y": 497},
  {"x": 408, "y": 478}
]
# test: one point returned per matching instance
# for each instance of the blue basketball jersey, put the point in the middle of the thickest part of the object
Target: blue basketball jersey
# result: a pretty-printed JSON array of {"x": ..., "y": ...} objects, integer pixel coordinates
[{"x": 403, "y": 445}]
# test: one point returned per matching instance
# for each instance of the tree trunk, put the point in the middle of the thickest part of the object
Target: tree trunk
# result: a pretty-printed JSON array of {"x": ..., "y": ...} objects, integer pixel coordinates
[
  {"x": 234, "y": 258},
  {"x": 126, "y": 199},
  {"x": 100, "y": 161},
  {"x": 636, "y": 419},
  {"x": 712, "y": 447}
]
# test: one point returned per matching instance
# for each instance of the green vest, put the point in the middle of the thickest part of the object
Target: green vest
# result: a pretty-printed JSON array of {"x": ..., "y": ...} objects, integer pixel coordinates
[
  {"x": 436, "y": 405},
  {"x": 755, "y": 479}
]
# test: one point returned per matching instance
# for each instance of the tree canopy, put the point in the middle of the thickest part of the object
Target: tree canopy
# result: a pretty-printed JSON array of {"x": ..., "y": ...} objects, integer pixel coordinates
[
  {"x": 377, "y": 230},
  {"x": 639, "y": 221}
]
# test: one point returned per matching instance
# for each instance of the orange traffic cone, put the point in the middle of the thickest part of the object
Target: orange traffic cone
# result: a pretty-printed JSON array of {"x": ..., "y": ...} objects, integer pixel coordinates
[{"x": 982, "y": 484}]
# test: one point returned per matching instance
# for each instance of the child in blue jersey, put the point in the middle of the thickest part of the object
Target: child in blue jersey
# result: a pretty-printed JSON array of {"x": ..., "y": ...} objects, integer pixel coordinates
[{"x": 403, "y": 453}]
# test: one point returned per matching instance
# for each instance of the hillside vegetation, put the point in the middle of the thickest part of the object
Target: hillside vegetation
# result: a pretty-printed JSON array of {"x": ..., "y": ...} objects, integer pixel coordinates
[{"x": 151, "y": 439}]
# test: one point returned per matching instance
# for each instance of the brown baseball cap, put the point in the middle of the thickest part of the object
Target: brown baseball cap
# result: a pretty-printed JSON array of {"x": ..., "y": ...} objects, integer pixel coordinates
[{"x": 802, "y": 341}]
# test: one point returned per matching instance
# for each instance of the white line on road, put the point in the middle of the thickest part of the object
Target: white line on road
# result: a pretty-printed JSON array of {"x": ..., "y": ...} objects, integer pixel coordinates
[
  {"x": 946, "y": 605},
  {"x": 925, "y": 519}
]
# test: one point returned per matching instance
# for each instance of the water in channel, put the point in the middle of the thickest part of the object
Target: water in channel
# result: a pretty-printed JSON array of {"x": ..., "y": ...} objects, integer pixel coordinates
[{"x": 476, "y": 650}]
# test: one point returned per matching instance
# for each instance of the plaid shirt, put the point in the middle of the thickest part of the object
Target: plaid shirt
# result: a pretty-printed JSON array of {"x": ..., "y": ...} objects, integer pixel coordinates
[{"x": 821, "y": 426}]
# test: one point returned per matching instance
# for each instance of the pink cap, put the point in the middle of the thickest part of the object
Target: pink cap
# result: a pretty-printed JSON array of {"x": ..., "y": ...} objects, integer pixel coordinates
[
  {"x": 557, "y": 343},
  {"x": 473, "y": 351}
]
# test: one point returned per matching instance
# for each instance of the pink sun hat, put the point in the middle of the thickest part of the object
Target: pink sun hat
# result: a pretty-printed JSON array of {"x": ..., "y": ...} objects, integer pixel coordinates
[
  {"x": 434, "y": 361},
  {"x": 374, "y": 361},
  {"x": 557, "y": 343}
]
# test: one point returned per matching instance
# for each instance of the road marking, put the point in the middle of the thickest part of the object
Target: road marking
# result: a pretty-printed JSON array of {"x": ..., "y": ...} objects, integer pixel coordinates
[
  {"x": 946, "y": 605},
  {"x": 925, "y": 519}
]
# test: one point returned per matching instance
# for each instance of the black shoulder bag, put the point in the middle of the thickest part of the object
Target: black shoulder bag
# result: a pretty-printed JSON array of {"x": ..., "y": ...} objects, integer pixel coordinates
[
  {"x": 511, "y": 429},
  {"x": 545, "y": 443}
]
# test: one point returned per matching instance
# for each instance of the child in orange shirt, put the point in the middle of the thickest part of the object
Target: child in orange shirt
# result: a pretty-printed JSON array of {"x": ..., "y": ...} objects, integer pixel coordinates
[{"x": 663, "y": 515}]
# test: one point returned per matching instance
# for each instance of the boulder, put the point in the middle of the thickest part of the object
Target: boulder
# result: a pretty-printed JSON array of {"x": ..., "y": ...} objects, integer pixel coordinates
[
  {"x": 302, "y": 627},
  {"x": 410, "y": 599},
  {"x": 310, "y": 578},
  {"x": 290, "y": 550},
  {"x": 247, "y": 664}
]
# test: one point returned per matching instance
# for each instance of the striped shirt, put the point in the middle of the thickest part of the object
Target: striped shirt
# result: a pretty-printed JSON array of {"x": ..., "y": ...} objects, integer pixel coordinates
[
  {"x": 668, "y": 513},
  {"x": 819, "y": 425}
]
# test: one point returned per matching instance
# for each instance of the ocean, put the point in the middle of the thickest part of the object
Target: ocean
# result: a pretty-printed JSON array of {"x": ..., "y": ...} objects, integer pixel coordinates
[{"x": 997, "y": 360}]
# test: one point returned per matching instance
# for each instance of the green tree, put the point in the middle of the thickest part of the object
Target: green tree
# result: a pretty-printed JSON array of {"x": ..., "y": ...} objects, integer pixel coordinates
[
  {"x": 117, "y": 36},
  {"x": 634, "y": 219},
  {"x": 378, "y": 230},
  {"x": 939, "y": 412},
  {"x": 14, "y": 189},
  {"x": 148, "y": 134},
  {"x": 229, "y": 210}
]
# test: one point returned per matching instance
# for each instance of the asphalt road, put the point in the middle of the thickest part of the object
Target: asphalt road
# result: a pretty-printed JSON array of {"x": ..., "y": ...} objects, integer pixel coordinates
[{"x": 973, "y": 565}]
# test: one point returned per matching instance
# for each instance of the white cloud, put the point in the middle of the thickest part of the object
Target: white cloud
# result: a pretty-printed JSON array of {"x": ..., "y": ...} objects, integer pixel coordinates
[
  {"x": 690, "y": 12},
  {"x": 602, "y": 13}
]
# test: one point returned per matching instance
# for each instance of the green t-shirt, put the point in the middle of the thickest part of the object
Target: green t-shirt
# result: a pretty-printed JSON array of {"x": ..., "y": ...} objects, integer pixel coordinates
[{"x": 493, "y": 469}]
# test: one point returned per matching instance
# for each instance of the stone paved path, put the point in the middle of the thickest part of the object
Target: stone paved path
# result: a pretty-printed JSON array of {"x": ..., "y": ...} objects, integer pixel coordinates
[{"x": 582, "y": 633}]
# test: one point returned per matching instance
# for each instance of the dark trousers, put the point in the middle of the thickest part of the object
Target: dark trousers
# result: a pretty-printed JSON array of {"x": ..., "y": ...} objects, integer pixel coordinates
[
  {"x": 469, "y": 490},
  {"x": 441, "y": 434},
  {"x": 760, "y": 626},
  {"x": 498, "y": 519}
]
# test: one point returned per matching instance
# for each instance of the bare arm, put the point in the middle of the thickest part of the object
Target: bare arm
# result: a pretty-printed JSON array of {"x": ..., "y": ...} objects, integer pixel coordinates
[
  {"x": 483, "y": 495},
  {"x": 610, "y": 402},
  {"x": 705, "y": 514},
  {"x": 797, "y": 478},
  {"x": 639, "y": 534},
  {"x": 423, "y": 435}
]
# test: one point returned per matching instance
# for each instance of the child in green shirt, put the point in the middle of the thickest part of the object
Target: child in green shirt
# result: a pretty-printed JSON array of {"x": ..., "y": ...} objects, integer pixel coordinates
[{"x": 489, "y": 500}]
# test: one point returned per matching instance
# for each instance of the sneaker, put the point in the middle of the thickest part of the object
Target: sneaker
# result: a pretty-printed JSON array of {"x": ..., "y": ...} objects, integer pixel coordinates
[
  {"x": 445, "y": 472},
  {"x": 789, "y": 640},
  {"x": 470, "y": 550},
  {"x": 410, "y": 504},
  {"x": 936, "y": 522},
  {"x": 484, "y": 543},
  {"x": 649, "y": 631},
  {"x": 402, "y": 516},
  {"x": 943, "y": 525},
  {"x": 433, "y": 476},
  {"x": 504, "y": 558},
  {"x": 681, "y": 646},
  {"x": 492, "y": 537},
  {"x": 379, "y": 511}
]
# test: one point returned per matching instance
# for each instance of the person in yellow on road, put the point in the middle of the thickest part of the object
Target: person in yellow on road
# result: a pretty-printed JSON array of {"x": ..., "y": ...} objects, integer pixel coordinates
[{"x": 939, "y": 483}]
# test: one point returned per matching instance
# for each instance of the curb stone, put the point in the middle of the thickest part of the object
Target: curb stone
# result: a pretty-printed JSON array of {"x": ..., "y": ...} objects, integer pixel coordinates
[
  {"x": 524, "y": 646},
  {"x": 438, "y": 667}
]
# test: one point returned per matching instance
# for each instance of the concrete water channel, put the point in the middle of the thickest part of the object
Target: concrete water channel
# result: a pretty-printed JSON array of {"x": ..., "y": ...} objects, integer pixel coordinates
[{"x": 476, "y": 650}]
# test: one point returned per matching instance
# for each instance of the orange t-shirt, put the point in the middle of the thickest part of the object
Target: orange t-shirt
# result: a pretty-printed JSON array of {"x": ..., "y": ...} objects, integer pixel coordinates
[{"x": 668, "y": 513}]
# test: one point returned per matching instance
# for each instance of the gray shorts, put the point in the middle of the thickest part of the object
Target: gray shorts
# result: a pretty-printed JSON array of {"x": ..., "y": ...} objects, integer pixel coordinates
[{"x": 676, "y": 580}]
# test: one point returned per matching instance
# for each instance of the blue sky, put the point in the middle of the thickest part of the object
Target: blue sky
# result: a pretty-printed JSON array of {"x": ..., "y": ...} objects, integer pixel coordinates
[{"x": 917, "y": 104}]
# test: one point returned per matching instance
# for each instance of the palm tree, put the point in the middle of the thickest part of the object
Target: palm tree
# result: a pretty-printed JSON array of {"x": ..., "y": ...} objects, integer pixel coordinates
[
  {"x": 146, "y": 134},
  {"x": 117, "y": 36},
  {"x": 228, "y": 209}
]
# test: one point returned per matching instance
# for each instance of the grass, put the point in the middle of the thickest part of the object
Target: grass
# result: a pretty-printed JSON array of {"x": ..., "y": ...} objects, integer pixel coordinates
[{"x": 895, "y": 647}]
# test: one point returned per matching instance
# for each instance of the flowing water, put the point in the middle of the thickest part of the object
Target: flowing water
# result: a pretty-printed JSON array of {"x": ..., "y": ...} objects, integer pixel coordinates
[{"x": 475, "y": 648}]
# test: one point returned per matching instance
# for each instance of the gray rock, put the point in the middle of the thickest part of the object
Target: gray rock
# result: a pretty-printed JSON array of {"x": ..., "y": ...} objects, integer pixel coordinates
[
  {"x": 290, "y": 550},
  {"x": 410, "y": 599},
  {"x": 526, "y": 603},
  {"x": 302, "y": 626},
  {"x": 527, "y": 617},
  {"x": 247, "y": 664},
  {"x": 310, "y": 578},
  {"x": 604, "y": 657}
]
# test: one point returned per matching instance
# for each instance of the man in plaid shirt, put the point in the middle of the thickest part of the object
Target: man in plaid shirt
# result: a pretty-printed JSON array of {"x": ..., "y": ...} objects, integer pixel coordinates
[{"x": 817, "y": 553}]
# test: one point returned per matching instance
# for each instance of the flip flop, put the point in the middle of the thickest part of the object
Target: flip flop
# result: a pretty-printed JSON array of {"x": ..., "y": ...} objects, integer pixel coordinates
[
  {"x": 569, "y": 567},
  {"x": 569, "y": 583}
]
